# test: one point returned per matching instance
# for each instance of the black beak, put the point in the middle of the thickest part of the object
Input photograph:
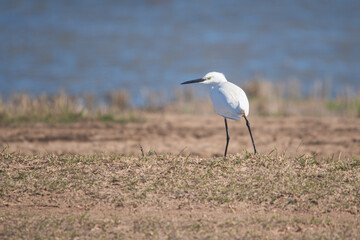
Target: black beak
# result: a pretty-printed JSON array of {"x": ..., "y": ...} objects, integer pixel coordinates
[{"x": 194, "y": 81}]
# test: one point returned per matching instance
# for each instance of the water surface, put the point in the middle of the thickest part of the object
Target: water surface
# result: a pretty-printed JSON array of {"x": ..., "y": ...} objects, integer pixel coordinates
[{"x": 99, "y": 46}]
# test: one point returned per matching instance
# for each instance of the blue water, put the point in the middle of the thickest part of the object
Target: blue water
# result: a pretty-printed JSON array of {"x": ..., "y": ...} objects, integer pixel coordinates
[{"x": 100, "y": 46}]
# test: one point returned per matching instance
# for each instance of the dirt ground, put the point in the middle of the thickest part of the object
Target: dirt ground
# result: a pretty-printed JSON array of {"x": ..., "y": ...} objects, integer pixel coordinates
[
  {"x": 200, "y": 135},
  {"x": 175, "y": 197}
]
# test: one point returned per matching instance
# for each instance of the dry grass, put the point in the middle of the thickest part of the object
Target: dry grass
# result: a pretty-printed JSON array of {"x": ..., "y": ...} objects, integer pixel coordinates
[
  {"x": 178, "y": 197},
  {"x": 64, "y": 108},
  {"x": 267, "y": 99}
]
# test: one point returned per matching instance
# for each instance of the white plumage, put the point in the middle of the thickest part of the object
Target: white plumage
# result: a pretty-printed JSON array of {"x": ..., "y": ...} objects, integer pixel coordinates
[{"x": 229, "y": 100}]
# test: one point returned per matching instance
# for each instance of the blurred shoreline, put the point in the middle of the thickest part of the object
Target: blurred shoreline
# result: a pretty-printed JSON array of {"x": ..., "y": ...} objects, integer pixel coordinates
[{"x": 266, "y": 99}]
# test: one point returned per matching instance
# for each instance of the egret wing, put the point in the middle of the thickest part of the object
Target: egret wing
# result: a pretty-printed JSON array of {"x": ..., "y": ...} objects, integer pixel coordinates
[{"x": 229, "y": 100}]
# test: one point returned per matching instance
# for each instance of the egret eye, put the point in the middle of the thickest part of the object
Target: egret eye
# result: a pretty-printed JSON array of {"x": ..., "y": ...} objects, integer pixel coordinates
[{"x": 208, "y": 78}]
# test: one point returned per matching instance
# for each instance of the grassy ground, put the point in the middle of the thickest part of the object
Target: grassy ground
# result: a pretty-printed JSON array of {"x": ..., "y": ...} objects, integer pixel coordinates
[
  {"x": 178, "y": 197},
  {"x": 58, "y": 189}
]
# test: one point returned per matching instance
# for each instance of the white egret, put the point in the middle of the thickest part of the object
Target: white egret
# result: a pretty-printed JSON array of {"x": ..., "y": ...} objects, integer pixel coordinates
[{"x": 229, "y": 100}]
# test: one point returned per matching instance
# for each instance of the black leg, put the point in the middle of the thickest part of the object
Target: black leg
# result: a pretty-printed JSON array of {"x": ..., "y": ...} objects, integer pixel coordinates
[
  {"x": 248, "y": 125},
  {"x": 227, "y": 137}
]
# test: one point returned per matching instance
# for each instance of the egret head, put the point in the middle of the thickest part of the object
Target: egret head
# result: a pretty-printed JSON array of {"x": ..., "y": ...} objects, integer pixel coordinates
[{"x": 210, "y": 78}]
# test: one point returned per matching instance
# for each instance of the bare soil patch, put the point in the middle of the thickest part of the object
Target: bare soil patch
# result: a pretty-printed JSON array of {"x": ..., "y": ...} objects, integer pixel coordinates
[{"x": 200, "y": 135}]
